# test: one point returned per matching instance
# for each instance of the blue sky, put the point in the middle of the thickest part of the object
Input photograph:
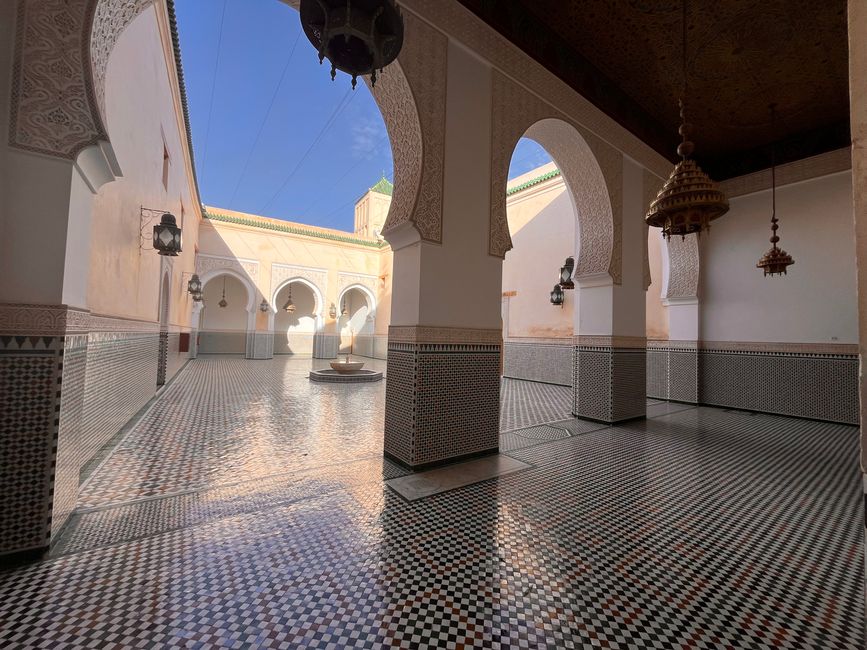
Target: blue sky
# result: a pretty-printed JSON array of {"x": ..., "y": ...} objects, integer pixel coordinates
[{"x": 259, "y": 116}]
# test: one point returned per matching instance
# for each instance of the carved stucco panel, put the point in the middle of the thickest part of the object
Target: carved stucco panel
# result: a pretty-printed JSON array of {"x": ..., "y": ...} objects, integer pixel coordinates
[
  {"x": 208, "y": 263},
  {"x": 348, "y": 279},
  {"x": 417, "y": 136},
  {"x": 110, "y": 18},
  {"x": 282, "y": 272},
  {"x": 592, "y": 170},
  {"x": 50, "y": 107},
  {"x": 683, "y": 267}
]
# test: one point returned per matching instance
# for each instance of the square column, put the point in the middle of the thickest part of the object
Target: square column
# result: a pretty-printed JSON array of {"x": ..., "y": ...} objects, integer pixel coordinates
[
  {"x": 43, "y": 357},
  {"x": 442, "y": 394},
  {"x": 609, "y": 378}
]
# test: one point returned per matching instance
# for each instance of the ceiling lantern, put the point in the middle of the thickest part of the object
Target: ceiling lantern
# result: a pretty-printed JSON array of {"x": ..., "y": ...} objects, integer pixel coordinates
[
  {"x": 776, "y": 260},
  {"x": 358, "y": 37},
  {"x": 289, "y": 307},
  {"x": 689, "y": 200}
]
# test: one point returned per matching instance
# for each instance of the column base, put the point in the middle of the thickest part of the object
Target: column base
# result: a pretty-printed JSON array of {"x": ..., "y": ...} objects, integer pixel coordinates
[
  {"x": 609, "y": 381},
  {"x": 442, "y": 400},
  {"x": 672, "y": 371}
]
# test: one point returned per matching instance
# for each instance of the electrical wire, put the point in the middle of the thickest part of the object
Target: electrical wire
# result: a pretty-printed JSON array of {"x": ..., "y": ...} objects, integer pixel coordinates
[
  {"x": 337, "y": 111},
  {"x": 264, "y": 119},
  {"x": 214, "y": 83}
]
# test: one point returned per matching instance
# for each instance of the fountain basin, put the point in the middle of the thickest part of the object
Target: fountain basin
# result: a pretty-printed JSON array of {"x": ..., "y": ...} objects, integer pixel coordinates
[
  {"x": 347, "y": 366},
  {"x": 344, "y": 376}
]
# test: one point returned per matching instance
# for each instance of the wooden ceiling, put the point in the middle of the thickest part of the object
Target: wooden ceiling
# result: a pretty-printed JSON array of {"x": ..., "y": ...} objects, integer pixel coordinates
[{"x": 625, "y": 57}]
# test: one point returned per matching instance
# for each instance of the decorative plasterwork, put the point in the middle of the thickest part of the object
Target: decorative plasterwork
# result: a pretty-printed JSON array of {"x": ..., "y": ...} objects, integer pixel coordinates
[
  {"x": 592, "y": 170},
  {"x": 209, "y": 263},
  {"x": 110, "y": 18},
  {"x": 683, "y": 267},
  {"x": 417, "y": 137},
  {"x": 51, "y": 108},
  {"x": 348, "y": 279},
  {"x": 426, "y": 334},
  {"x": 467, "y": 28},
  {"x": 601, "y": 341},
  {"x": 280, "y": 273},
  {"x": 832, "y": 162},
  {"x": 59, "y": 320}
]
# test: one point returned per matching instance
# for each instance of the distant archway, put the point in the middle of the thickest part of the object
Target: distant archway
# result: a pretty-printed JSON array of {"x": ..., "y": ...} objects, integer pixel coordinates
[
  {"x": 356, "y": 320},
  {"x": 224, "y": 329},
  {"x": 294, "y": 331},
  {"x": 164, "y": 309}
]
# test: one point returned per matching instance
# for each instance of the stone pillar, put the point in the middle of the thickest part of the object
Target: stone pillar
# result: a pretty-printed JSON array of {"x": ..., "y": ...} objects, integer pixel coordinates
[
  {"x": 443, "y": 374},
  {"x": 858, "y": 119},
  {"x": 609, "y": 356}
]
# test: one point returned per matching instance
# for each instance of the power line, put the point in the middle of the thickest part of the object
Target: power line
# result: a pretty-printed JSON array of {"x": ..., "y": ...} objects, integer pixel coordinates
[
  {"x": 265, "y": 119},
  {"x": 214, "y": 83},
  {"x": 337, "y": 110}
]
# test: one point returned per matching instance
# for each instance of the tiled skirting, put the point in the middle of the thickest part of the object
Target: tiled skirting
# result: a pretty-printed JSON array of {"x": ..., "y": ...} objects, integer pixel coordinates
[
  {"x": 442, "y": 395},
  {"x": 609, "y": 383},
  {"x": 121, "y": 378},
  {"x": 545, "y": 360},
  {"x": 325, "y": 346},
  {"x": 69, "y": 380},
  {"x": 222, "y": 342},
  {"x": 374, "y": 347},
  {"x": 787, "y": 379},
  {"x": 822, "y": 387}
]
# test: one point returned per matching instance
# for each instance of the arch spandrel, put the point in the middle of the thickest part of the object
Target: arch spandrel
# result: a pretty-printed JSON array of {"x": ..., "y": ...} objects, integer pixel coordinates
[{"x": 592, "y": 170}]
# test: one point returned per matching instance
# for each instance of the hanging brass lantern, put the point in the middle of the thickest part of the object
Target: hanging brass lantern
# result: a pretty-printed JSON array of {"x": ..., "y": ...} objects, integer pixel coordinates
[
  {"x": 689, "y": 200},
  {"x": 223, "y": 302},
  {"x": 289, "y": 307},
  {"x": 776, "y": 260},
  {"x": 358, "y": 37}
]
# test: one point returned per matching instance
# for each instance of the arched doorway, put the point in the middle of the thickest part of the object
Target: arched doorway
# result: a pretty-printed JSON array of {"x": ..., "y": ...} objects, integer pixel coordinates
[
  {"x": 537, "y": 334},
  {"x": 296, "y": 317},
  {"x": 356, "y": 320},
  {"x": 227, "y": 314}
]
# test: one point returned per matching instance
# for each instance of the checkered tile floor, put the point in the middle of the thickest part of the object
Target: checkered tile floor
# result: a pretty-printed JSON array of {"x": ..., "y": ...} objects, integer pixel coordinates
[{"x": 698, "y": 528}]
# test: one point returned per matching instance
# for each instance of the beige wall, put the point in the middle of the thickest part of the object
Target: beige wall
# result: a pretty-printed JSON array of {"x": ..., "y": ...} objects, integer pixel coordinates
[
  {"x": 143, "y": 111},
  {"x": 542, "y": 226},
  {"x": 816, "y": 301},
  {"x": 340, "y": 263},
  {"x": 656, "y": 314}
]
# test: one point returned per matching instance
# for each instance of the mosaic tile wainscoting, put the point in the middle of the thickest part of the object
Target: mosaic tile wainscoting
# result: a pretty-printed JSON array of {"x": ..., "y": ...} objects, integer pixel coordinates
[
  {"x": 672, "y": 370},
  {"x": 442, "y": 394},
  {"x": 802, "y": 380},
  {"x": 43, "y": 356},
  {"x": 609, "y": 378},
  {"x": 546, "y": 360}
]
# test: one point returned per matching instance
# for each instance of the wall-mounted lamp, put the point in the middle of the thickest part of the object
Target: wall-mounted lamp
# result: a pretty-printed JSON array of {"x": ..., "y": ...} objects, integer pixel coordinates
[
  {"x": 263, "y": 306},
  {"x": 566, "y": 273},
  {"x": 167, "y": 236},
  {"x": 194, "y": 286},
  {"x": 557, "y": 295},
  {"x": 332, "y": 311}
]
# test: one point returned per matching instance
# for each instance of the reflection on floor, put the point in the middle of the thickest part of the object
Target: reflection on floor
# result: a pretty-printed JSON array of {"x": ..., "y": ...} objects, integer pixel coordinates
[{"x": 248, "y": 509}]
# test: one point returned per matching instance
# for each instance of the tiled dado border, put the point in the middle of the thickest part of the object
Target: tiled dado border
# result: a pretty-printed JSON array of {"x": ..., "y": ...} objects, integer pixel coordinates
[
  {"x": 811, "y": 380},
  {"x": 547, "y": 360},
  {"x": 443, "y": 394}
]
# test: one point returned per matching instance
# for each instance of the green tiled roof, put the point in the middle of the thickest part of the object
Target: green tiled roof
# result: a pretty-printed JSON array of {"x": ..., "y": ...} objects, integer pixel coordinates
[
  {"x": 533, "y": 181},
  {"x": 384, "y": 186},
  {"x": 294, "y": 230}
]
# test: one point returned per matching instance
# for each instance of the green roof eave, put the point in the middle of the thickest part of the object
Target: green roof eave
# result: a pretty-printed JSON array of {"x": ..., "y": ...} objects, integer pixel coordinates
[
  {"x": 295, "y": 230},
  {"x": 533, "y": 181}
]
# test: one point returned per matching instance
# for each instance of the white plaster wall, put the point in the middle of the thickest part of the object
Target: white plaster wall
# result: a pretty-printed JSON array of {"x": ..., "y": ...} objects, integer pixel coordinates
[
  {"x": 542, "y": 225},
  {"x": 816, "y": 301},
  {"x": 232, "y": 317},
  {"x": 142, "y": 110},
  {"x": 656, "y": 316}
]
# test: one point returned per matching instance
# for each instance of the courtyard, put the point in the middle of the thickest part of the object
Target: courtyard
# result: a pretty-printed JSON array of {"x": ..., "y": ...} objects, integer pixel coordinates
[{"x": 247, "y": 507}]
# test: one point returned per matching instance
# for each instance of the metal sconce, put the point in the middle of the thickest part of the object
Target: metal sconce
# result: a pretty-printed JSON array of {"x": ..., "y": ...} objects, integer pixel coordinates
[
  {"x": 194, "y": 288},
  {"x": 566, "y": 274},
  {"x": 332, "y": 311},
  {"x": 263, "y": 306},
  {"x": 167, "y": 236},
  {"x": 557, "y": 295}
]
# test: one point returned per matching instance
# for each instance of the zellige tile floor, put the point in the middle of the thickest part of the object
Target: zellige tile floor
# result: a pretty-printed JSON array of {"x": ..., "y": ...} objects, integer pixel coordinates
[{"x": 248, "y": 509}]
